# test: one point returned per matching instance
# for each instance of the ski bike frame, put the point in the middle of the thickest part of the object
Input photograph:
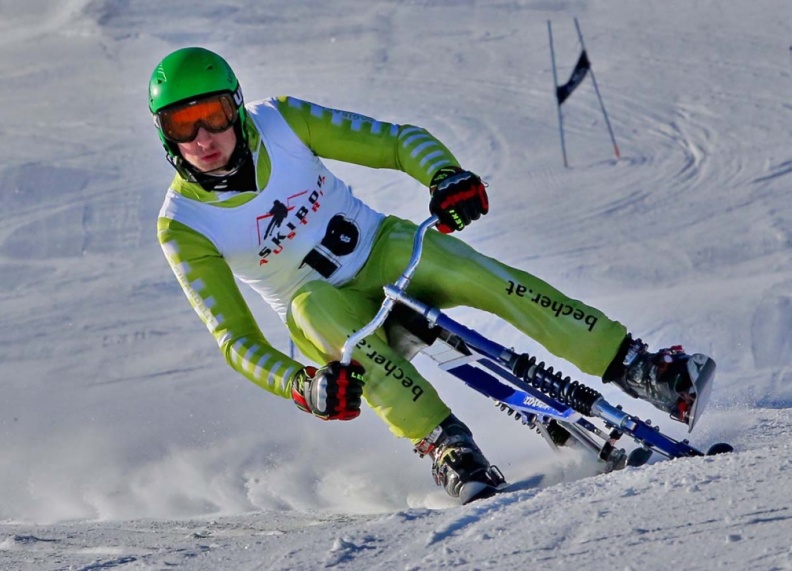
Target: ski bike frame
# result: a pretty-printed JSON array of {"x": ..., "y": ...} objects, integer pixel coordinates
[{"x": 541, "y": 398}]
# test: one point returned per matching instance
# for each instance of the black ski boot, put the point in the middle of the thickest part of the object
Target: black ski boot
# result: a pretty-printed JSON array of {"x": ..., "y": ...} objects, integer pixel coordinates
[
  {"x": 670, "y": 379},
  {"x": 457, "y": 462}
]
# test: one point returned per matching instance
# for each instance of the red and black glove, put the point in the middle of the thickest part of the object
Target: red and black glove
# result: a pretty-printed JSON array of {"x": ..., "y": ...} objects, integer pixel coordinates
[
  {"x": 331, "y": 393},
  {"x": 458, "y": 198}
]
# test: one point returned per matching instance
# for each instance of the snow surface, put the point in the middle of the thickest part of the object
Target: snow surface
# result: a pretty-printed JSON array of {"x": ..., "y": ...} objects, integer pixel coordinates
[{"x": 127, "y": 443}]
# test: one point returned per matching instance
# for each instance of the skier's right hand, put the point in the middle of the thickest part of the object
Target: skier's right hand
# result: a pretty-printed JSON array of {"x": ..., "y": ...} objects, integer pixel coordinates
[{"x": 330, "y": 393}]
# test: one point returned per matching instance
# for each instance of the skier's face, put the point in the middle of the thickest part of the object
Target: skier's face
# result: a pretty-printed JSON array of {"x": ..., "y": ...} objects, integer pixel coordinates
[{"x": 209, "y": 152}]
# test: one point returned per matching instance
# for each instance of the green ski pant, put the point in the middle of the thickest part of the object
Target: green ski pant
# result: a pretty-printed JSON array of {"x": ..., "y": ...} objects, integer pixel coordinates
[{"x": 450, "y": 274}]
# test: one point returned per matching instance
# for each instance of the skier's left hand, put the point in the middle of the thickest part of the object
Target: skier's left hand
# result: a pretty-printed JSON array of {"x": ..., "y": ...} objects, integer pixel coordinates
[
  {"x": 331, "y": 393},
  {"x": 458, "y": 198}
]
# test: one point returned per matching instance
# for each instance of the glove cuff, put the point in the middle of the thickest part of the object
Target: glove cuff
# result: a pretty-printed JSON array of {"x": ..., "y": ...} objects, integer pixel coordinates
[
  {"x": 441, "y": 175},
  {"x": 299, "y": 385}
]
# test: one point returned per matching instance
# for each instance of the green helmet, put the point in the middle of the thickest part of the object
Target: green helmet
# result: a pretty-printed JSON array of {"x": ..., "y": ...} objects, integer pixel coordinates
[{"x": 189, "y": 74}]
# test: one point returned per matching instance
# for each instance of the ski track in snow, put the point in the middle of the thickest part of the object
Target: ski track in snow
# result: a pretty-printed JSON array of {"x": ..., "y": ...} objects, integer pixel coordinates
[{"x": 127, "y": 443}]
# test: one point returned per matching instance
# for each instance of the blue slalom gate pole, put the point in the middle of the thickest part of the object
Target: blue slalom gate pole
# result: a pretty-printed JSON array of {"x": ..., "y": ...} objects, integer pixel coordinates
[
  {"x": 555, "y": 86},
  {"x": 596, "y": 89}
]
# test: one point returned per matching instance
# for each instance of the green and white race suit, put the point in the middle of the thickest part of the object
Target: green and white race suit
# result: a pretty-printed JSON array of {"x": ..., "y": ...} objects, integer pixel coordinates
[{"x": 319, "y": 256}]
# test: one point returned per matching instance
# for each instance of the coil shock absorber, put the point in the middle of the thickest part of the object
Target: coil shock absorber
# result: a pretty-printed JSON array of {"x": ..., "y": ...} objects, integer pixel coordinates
[{"x": 552, "y": 383}]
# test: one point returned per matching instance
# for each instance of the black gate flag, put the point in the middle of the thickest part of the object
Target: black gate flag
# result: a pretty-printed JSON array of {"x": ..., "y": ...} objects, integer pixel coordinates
[{"x": 578, "y": 75}]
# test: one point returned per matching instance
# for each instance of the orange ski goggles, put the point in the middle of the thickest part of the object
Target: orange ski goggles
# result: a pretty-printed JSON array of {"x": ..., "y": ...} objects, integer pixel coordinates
[{"x": 180, "y": 124}]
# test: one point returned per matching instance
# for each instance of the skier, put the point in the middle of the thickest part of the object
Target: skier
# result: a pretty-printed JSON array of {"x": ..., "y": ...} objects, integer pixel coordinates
[{"x": 251, "y": 199}]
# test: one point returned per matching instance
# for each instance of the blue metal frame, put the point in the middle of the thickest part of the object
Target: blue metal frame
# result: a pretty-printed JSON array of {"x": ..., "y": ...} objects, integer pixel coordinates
[{"x": 526, "y": 399}]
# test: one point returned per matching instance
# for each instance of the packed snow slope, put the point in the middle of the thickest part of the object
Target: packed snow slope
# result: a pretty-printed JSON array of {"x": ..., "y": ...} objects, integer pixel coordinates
[{"x": 125, "y": 440}]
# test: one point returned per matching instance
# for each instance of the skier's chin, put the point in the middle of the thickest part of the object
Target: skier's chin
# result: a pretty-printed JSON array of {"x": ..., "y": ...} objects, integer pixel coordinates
[
  {"x": 212, "y": 170},
  {"x": 219, "y": 171}
]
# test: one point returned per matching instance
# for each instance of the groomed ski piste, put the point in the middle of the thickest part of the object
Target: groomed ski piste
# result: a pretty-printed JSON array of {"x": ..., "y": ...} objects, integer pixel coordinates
[{"x": 127, "y": 443}]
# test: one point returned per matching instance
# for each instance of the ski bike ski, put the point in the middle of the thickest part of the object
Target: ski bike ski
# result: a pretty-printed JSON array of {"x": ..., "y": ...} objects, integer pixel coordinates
[{"x": 563, "y": 411}]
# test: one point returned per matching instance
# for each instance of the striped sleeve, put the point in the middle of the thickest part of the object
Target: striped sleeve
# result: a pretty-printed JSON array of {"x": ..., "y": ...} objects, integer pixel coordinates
[
  {"x": 354, "y": 138},
  {"x": 210, "y": 287}
]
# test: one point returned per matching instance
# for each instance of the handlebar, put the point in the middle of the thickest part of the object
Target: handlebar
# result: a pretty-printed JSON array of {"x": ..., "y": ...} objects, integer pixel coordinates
[{"x": 399, "y": 288}]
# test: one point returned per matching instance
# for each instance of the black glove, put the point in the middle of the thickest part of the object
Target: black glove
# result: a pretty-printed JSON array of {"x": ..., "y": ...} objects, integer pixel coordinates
[
  {"x": 458, "y": 198},
  {"x": 331, "y": 393}
]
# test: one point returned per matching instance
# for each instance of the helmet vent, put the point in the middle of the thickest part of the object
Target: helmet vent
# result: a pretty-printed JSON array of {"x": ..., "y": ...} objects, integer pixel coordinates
[{"x": 160, "y": 73}]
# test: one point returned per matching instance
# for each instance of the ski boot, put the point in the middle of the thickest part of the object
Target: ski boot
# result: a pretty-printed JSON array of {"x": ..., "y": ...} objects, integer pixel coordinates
[
  {"x": 458, "y": 464},
  {"x": 671, "y": 380}
]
